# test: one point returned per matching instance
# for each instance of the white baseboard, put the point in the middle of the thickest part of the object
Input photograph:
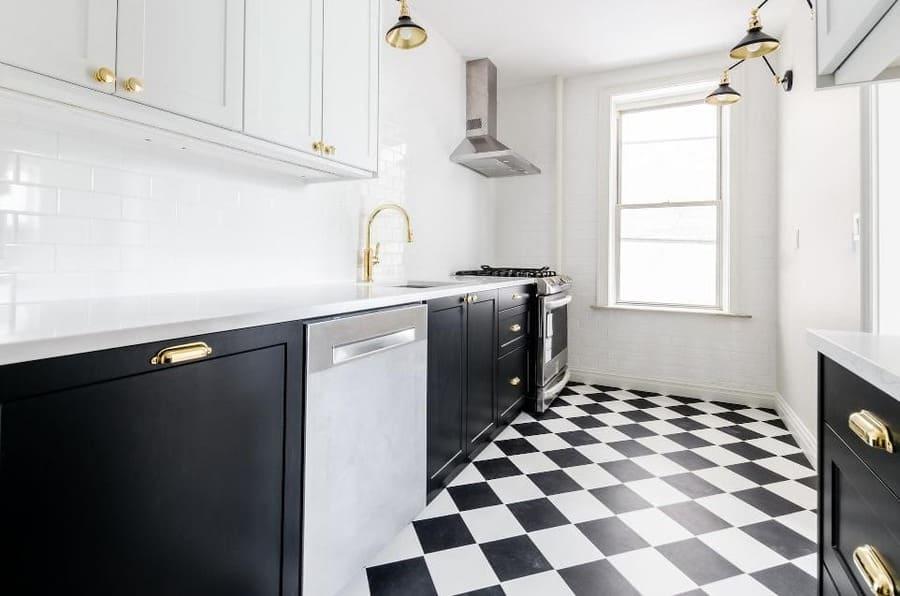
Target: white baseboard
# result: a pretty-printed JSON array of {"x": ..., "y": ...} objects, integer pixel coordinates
[
  {"x": 804, "y": 436},
  {"x": 669, "y": 387}
]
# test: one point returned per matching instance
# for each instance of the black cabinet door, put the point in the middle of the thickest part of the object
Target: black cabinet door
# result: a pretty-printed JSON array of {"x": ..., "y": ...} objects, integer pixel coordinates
[
  {"x": 168, "y": 481},
  {"x": 446, "y": 390},
  {"x": 481, "y": 401}
]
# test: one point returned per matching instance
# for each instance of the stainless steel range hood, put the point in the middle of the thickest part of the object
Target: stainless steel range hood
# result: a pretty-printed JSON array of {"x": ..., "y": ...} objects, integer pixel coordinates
[{"x": 480, "y": 150}]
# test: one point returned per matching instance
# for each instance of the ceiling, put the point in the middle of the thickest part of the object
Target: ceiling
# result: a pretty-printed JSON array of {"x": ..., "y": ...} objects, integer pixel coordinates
[{"x": 531, "y": 40}]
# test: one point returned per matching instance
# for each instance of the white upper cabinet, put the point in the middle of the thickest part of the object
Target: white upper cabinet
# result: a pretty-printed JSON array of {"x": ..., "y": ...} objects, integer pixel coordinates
[
  {"x": 350, "y": 88},
  {"x": 184, "y": 56},
  {"x": 68, "y": 40},
  {"x": 841, "y": 25},
  {"x": 283, "y": 72}
]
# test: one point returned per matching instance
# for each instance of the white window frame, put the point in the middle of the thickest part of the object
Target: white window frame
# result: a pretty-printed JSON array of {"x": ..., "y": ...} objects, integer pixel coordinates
[{"x": 672, "y": 96}]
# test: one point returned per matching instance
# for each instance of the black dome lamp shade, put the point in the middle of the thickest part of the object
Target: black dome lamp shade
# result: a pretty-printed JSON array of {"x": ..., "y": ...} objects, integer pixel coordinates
[
  {"x": 756, "y": 43},
  {"x": 405, "y": 34},
  {"x": 724, "y": 94}
]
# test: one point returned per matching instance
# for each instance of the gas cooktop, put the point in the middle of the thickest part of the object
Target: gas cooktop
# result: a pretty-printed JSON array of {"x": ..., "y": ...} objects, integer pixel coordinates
[{"x": 490, "y": 271}]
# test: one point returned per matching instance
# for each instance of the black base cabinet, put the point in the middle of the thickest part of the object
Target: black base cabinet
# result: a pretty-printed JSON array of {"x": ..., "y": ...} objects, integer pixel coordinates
[
  {"x": 477, "y": 377},
  {"x": 858, "y": 511},
  {"x": 120, "y": 476}
]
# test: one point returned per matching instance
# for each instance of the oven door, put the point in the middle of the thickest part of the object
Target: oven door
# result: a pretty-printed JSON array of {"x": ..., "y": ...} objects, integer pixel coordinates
[{"x": 553, "y": 337}]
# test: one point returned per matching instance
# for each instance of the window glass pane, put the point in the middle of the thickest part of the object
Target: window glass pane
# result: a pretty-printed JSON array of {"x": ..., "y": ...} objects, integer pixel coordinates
[
  {"x": 689, "y": 121},
  {"x": 670, "y": 171},
  {"x": 668, "y": 255},
  {"x": 888, "y": 208}
]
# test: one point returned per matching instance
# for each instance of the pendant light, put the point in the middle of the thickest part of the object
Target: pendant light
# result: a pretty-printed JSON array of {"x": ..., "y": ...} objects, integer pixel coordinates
[
  {"x": 756, "y": 43},
  {"x": 405, "y": 35},
  {"x": 725, "y": 94}
]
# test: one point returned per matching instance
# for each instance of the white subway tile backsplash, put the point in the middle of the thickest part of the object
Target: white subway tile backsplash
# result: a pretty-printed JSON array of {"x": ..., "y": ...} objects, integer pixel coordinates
[
  {"x": 28, "y": 199},
  {"x": 89, "y": 204},
  {"x": 77, "y": 258},
  {"x": 7, "y": 289},
  {"x": 147, "y": 210},
  {"x": 47, "y": 229},
  {"x": 23, "y": 138},
  {"x": 119, "y": 233},
  {"x": 120, "y": 182},
  {"x": 7, "y": 166},
  {"x": 27, "y": 258},
  {"x": 50, "y": 172}
]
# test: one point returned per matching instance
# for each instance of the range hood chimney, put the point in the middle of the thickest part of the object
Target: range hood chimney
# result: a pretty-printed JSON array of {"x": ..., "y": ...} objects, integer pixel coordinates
[{"x": 480, "y": 150}]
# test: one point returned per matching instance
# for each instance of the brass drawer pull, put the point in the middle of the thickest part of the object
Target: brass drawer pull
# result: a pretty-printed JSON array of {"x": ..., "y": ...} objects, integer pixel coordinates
[
  {"x": 871, "y": 430},
  {"x": 515, "y": 328},
  {"x": 874, "y": 571},
  {"x": 515, "y": 381},
  {"x": 182, "y": 353},
  {"x": 473, "y": 298},
  {"x": 519, "y": 296}
]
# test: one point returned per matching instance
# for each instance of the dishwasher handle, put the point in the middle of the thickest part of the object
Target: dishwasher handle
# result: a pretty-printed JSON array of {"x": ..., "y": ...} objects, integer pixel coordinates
[{"x": 372, "y": 345}]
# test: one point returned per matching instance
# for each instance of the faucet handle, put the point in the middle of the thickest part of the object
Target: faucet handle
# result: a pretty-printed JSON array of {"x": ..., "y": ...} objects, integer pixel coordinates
[{"x": 376, "y": 258}]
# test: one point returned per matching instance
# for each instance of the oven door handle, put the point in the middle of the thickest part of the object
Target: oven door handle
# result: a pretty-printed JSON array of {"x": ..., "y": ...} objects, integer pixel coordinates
[{"x": 551, "y": 305}]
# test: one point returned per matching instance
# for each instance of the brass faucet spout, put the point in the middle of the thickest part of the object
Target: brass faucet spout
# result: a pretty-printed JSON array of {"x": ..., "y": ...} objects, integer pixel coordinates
[{"x": 371, "y": 257}]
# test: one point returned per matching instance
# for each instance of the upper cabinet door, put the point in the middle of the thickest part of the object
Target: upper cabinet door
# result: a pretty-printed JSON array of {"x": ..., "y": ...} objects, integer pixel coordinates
[
  {"x": 283, "y": 73},
  {"x": 183, "y": 56},
  {"x": 65, "y": 39},
  {"x": 841, "y": 25},
  {"x": 350, "y": 105}
]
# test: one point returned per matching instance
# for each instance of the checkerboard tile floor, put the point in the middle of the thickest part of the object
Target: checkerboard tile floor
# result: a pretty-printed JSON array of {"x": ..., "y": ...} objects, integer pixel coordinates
[{"x": 618, "y": 492}]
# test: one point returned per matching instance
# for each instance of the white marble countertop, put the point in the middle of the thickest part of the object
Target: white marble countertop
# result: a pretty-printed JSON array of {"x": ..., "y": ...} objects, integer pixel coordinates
[
  {"x": 874, "y": 358},
  {"x": 48, "y": 329}
]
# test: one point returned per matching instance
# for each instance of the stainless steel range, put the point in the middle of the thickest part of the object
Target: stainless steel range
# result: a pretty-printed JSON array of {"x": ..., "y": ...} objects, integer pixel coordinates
[{"x": 551, "y": 342}]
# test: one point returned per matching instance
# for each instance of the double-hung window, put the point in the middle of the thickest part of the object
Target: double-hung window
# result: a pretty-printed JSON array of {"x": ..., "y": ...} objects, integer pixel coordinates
[{"x": 668, "y": 204}]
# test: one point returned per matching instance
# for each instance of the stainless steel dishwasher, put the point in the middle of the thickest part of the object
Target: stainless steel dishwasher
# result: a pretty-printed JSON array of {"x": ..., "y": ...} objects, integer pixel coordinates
[{"x": 364, "y": 444}]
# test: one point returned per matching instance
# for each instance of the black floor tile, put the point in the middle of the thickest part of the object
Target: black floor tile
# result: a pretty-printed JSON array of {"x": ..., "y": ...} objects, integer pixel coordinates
[
  {"x": 596, "y": 579},
  {"x": 594, "y": 409},
  {"x": 500, "y": 467},
  {"x": 642, "y": 403},
  {"x": 566, "y": 458},
  {"x": 800, "y": 458},
  {"x": 747, "y": 451},
  {"x": 686, "y": 410},
  {"x": 515, "y": 557},
  {"x": 689, "y": 460},
  {"x": 605, "y": 388},
  {"x": 555, "y": 482},
  {"x": 767, "y": 502},
  {"x": 537, "y": 514},
  {"x": 612, "y": 536},
  {"x": 473, "y": 496},
  {"x": 735, "y": 417},
  {"x": 531, "y": 428},
  {"x": 586, "y": 421},
  {"x": 620, "y": 498},
  {"x": 515, "y": 446},
  {"x": 441, "y": 533},
  {"x": 685, "y": 400},
  {"x": 756, "y": 473},
  {"x": 601, "y": 397},
  {"x": 688, "y": 440},
  {"x": 697, "y": 561},
  {"x": 810, "y": 481},
  {"x": 635, "y": 431},
  {"x": 730, "y": 406},
  {"x": 626, "y": 470},
  {"x": 643, "y": 393},
  {"x": 740, "y": 432},
  {"x": 577, "y": 438},
  {"x": 692, "y": 485},
  {"x": 786, "y": 579},
  {"x": 787, "y": 440},
  {"x": 491, "y": 591},
  {"x": 783, "y": 540},
  {"x": 401, "y": 579},
  {"x": 687, "y": 423},
  {"x": 631, "y": 448},
  {"x": 639, "y": 416},
  {"x": 695, "y": 518}
]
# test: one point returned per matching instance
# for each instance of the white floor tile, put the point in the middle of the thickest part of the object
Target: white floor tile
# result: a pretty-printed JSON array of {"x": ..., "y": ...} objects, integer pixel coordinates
[
  {"x": 785, "y": 467},
  {"x": 599, "y": 452},
  {"x": 613, "y": 419},
  {"x": 658, "y": 465},
  {"x": 712, "y": 421},
  {"x": 708, "y": 407},
  {"x": 664, "y": 400},
  {"x": 540, "y": 584},
  {"x": 565, "y": 546},
  {"x": 757, "y": 414},
  {"x": 663, "y": 413},
  {"x": 548, "y": 442},
  {"x": 532, "y": 463},
  {"x": 507, "y": 433},
  {"x": 809, "y": 564},
  {"x": 460, "y": 569},
  {"x": 490, "y": 452},
  {"x": 795, "y": 492},
  {"x": 441, "y": 505},
  {"x": 719, "y": 455},
  {"x": 468, "y": 475},
  {"x": 651, "y": 573},
  {"x": 657, "y": 492},
  {"x": 774, "y": 446},
  {"x": 725, "y": 479},
  {"x": 568, "y": 411},
  {"x": 608, "y": 434},
  {"x": 515, "y": 489},
  {"x": 579, "y": 506},
  {"x": 660, "y": 444},
  {"x": 744, "y": 552},
  {"x": 765, "y": 429},
  {"x": 733, "y": 510},
  {"x": 591, "y": 476},
  {"x": 559, "y": 425},
  {"x": 804, "y": 523},
  {"x": 492, "y": 523},
  {"x": 662, "y": 427},
  {"x": 618, "y": 406},
  {"x": 741, "y": 585},
  {"x": 714, "y": 436},
  {"x": 655, "y": 527},
  {"x": 405, "y": 545}
]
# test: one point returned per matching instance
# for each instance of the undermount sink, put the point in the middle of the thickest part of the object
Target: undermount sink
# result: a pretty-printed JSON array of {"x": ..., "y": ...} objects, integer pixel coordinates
[{"x": 426, "y": 284}]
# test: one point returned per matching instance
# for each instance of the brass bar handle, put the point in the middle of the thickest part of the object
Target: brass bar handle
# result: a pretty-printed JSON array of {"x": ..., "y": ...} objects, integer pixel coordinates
[
  {"x": 520, "y": 296},
  {"x": 515, "y": 328},
  {"x": 182, "y": 353},
  {"x": 871, "y": 566},
  {"x": 515, "y": 381},
  {"x": 871, "y": 430}
]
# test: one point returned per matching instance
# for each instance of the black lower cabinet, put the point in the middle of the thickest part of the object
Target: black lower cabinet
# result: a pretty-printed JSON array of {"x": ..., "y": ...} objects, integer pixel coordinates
[
  {"x": 481, "y": 363},
  {"x": 120, "y": 476}
]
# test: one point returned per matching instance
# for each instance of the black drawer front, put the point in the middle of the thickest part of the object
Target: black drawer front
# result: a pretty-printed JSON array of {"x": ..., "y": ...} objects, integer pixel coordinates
[
  {"x": 512, "y": 381},
  {"x": 515, "y": 296},
  {"x": 514, "y": 325},
  {"x": 845, "y": 394},
  {"x": 857, "y": 509}
]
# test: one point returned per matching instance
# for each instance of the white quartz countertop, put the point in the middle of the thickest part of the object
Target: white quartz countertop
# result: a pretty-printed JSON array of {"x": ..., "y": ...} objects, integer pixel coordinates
[
  {"x": 35, "y": 331},
  {"x": 874, "y": 358}
]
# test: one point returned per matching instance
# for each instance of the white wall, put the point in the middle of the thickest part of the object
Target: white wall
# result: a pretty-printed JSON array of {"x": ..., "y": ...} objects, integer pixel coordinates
[
  {"x": 83, "y": 215},
  {"x": 682, "y": 352},
  {"x": 888, "y": 190},
  {"x": 818, "y": 194}
]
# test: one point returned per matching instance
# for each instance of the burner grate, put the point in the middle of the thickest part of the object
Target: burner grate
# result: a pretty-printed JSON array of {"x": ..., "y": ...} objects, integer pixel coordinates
[{"x": 490, "y": 271}]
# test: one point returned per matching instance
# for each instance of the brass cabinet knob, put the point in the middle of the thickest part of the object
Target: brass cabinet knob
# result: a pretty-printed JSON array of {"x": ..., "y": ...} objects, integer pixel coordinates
[
  {"x": 182, "y": 353},
  {"x": 515, "y": 381},
  {"x": 515, "y": 328},
  {"x": 871, "y": 430},
  {"x": 105, "y": 75},
  {"x": 133, "y": 85},
  {"x": 473, "y": 298},
  {"x": 871, "y": 566},
  {"x": 330, "y": 149},
  {"x": 318, "y": 146}
]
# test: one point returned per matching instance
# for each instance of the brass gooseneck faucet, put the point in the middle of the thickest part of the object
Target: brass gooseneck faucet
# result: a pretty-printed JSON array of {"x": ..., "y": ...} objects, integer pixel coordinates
[{"x": 371, "y": 257}]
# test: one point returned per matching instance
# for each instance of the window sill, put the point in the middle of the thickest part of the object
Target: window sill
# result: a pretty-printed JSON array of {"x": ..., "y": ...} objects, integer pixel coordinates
[{"x": 667, "y": 309}]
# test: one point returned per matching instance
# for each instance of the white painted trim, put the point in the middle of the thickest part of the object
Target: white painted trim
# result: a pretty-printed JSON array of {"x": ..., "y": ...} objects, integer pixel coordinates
[
  {"x": 560, "y": 164},
  {"x": 755, "y": 399},
  {"x": 805, "y": 437}
]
